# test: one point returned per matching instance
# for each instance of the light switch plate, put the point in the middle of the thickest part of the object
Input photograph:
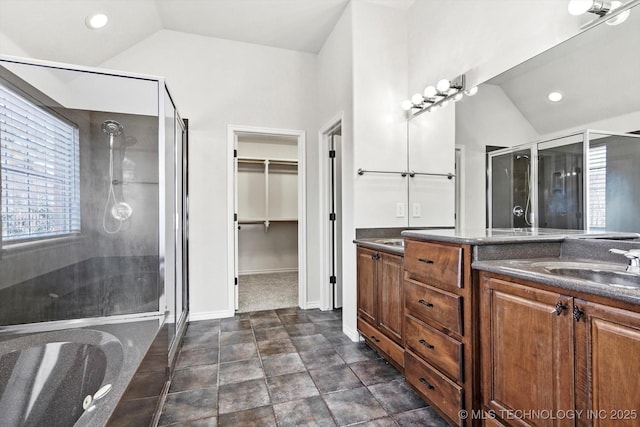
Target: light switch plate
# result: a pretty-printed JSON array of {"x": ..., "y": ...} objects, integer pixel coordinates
[
  {"x": 416, "y": 210},
  {"x": 399, "y": 210}
]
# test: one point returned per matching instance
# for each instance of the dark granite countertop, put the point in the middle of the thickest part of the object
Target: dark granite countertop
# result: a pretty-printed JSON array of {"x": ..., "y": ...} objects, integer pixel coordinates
[
  {"x": 523, "y": 253},
  {"x": 535, "y": 269},
  {"x": 492, "y": 236}
]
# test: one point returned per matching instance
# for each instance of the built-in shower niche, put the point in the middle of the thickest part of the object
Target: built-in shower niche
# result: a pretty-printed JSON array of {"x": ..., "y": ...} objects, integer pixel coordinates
[{"x": 585, "y": 180}]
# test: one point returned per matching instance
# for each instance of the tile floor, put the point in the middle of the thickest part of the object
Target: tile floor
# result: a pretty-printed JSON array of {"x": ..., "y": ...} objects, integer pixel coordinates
[{"x": 286, "y": 367}]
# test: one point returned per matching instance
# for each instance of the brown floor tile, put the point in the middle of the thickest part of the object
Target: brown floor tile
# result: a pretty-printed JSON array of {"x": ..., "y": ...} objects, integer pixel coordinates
[{"x": 241, "y": 396}]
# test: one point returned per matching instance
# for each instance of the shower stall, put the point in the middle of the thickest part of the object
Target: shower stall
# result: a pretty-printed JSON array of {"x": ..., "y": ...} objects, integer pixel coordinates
[
  {"x": 93, "y": 199},
  {"x": 584, "y": 180}
]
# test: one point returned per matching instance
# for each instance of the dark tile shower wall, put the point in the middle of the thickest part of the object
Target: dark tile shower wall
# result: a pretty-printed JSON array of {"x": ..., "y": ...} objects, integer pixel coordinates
[{"x": 91, "y": 288}]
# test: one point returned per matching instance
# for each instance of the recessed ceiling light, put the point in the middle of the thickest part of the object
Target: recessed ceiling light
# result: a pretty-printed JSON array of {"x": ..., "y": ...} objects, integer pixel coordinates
[
  {"x": 96, "y": 21},
  {"x": 555, "y": 97}
]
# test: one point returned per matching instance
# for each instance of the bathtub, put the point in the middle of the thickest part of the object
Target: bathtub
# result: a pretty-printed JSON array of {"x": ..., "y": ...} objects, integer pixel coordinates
[{"x": 58, "y": 378}]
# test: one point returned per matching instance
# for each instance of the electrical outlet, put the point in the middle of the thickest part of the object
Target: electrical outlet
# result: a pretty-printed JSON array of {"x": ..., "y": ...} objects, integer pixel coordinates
[
  {"x": 399, "y": 210},
  {"x": 416, "y": 210}
]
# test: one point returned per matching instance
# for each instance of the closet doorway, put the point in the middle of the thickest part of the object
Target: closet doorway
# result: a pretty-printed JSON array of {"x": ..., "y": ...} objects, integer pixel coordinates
[{"x": 268, "y": 219}]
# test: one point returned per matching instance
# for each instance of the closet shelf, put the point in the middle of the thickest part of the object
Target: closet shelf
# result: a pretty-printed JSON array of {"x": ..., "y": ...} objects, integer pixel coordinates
[{"x": 267, "y": 222}]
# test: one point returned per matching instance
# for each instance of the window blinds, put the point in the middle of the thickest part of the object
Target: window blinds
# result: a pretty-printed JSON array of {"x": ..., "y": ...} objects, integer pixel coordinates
[
  {"x": 597, "y": 165},
  {"x": 40, "y": 165}
]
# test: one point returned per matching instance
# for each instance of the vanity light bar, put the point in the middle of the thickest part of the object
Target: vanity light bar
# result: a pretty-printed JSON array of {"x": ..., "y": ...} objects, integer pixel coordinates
[{"x": 438, "y": 96}]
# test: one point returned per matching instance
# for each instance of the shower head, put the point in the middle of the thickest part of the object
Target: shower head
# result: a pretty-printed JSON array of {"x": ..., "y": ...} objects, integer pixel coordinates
[
  {"x": 522, "y": 156},
  {"x": 112, "y": 127}
]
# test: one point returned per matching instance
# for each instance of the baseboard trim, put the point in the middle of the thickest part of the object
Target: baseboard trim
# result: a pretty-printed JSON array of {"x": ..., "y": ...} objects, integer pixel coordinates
[
  {"x": 310, "y": 305},
  {"x": 351, "y": 333},
  {"x": 268, "y": 271},
  {"x": 209, "y": 315}
]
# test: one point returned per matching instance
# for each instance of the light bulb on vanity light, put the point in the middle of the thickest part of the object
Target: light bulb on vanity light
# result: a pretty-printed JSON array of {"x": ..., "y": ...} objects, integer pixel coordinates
[
  {"x": 579, "y": 7},
  {"x": 443, "y": 86},
  {"x": 417, "y": 99},
  {"x": 430, "y": 92},
  {"x": 406, "y": 105},
  {"x": 619, "y": 19},
  {"x": 458, "y": 96}
]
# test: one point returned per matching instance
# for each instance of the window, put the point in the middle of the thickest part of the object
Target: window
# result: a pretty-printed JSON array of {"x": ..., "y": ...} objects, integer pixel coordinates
[
  {"x": 40, "y": 168},
  {"x": 598, "y": 187}
]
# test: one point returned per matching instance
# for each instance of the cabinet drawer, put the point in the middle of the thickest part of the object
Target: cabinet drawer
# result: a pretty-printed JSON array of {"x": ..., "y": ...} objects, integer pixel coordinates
[
  {"x": 435, "y": 387},
  {"x": 433, "y": 264},
  {"x": 442, "y": 351},
  {"x": 428, "y": 303},
  {"x": 382, "y": 342}
]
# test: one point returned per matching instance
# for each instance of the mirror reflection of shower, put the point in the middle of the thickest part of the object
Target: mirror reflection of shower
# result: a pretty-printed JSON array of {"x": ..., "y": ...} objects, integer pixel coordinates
[
  {"x": 511, "y": 202},
  {"x": 518, "y": 210},
  {"x": 120, "y": 210}
]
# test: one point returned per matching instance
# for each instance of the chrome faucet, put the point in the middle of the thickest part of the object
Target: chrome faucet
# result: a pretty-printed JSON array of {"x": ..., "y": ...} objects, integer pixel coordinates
[{"x": 634, "y": 258}]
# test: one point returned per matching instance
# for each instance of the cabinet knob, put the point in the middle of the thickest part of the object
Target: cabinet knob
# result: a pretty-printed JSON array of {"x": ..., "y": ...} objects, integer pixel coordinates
[
  {"x": 425, "y": 260},
  {"x": 577, "y": 313},
  {"x": 423, "y": 302},
  {"x": 426, "y": 344},
  {"x": 560, "y": 308},
  {"x": 373, "y": 337},
  {"x": 426, "y": 384}
]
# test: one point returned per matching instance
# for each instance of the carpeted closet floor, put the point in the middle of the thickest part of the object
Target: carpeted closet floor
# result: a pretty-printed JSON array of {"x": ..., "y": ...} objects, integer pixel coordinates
[{"x": 268, "y": 291}]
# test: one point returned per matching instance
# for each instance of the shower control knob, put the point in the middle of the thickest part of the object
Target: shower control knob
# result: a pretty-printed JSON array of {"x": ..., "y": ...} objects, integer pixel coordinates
[{"x": 518, "y": 211}]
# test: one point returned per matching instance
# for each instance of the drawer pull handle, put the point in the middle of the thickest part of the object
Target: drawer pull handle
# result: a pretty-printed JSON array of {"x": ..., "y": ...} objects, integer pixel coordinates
[
  {"x": 423, "y": 302},
  {"x": 426, "y": 384},
  {"x": 425, "y": 260},
  {"x": 373, "y": 337},
  {"x": 426, "y": 344}
]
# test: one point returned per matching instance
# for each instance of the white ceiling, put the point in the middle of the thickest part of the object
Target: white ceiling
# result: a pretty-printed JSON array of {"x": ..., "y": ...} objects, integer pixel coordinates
[
  {"x": 597, "y": 72},
  {"x": 55, "y": 29}
]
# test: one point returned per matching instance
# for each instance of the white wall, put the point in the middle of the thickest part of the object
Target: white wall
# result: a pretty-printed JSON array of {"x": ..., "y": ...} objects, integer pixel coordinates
[
  {"x": 335, "y": 99},
  {"x": 480, "y": 38},
  {"x": 380, "y": 127},
  {"x": 217, "y": 82}
]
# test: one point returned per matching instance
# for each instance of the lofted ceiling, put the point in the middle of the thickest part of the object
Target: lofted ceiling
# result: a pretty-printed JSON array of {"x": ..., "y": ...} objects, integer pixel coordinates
[
  {"x": 596, "y": 71},
  {"x": 55, "y": 29}
]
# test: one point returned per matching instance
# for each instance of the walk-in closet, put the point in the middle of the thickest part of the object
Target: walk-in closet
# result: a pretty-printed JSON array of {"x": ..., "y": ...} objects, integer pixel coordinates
[{"x": 267, "y": 197}]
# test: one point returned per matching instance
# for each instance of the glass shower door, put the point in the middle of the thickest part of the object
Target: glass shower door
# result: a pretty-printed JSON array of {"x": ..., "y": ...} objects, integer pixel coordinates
[
  {"x": 560, "y": 183},
  {"x": 510, "y": 201}
]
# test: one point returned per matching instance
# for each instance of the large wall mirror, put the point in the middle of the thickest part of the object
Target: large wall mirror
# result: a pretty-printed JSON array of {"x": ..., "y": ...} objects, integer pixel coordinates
[{"x": 597, "y": 73}]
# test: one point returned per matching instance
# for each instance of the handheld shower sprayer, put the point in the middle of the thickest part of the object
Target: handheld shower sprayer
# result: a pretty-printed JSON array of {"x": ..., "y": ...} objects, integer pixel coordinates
[{"x": 120, "y": 211}]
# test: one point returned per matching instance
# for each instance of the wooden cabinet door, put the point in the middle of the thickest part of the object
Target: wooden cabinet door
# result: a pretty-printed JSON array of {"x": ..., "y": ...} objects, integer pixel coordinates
[
  {"x": 366, "y": 284},
  {"x": 390, "y": 305},
  {"x": 607, "y": 365},
  {"x": 527, "y": 352}
]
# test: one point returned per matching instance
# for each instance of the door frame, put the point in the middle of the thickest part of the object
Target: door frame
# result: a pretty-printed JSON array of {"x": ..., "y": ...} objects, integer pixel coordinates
[
  {"x": 326, "y": 291},
  {"x": 232, "y": 133}
]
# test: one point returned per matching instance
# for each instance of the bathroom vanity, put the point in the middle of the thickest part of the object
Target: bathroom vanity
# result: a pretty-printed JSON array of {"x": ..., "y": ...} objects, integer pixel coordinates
[{"x": 494, "y": 327}]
